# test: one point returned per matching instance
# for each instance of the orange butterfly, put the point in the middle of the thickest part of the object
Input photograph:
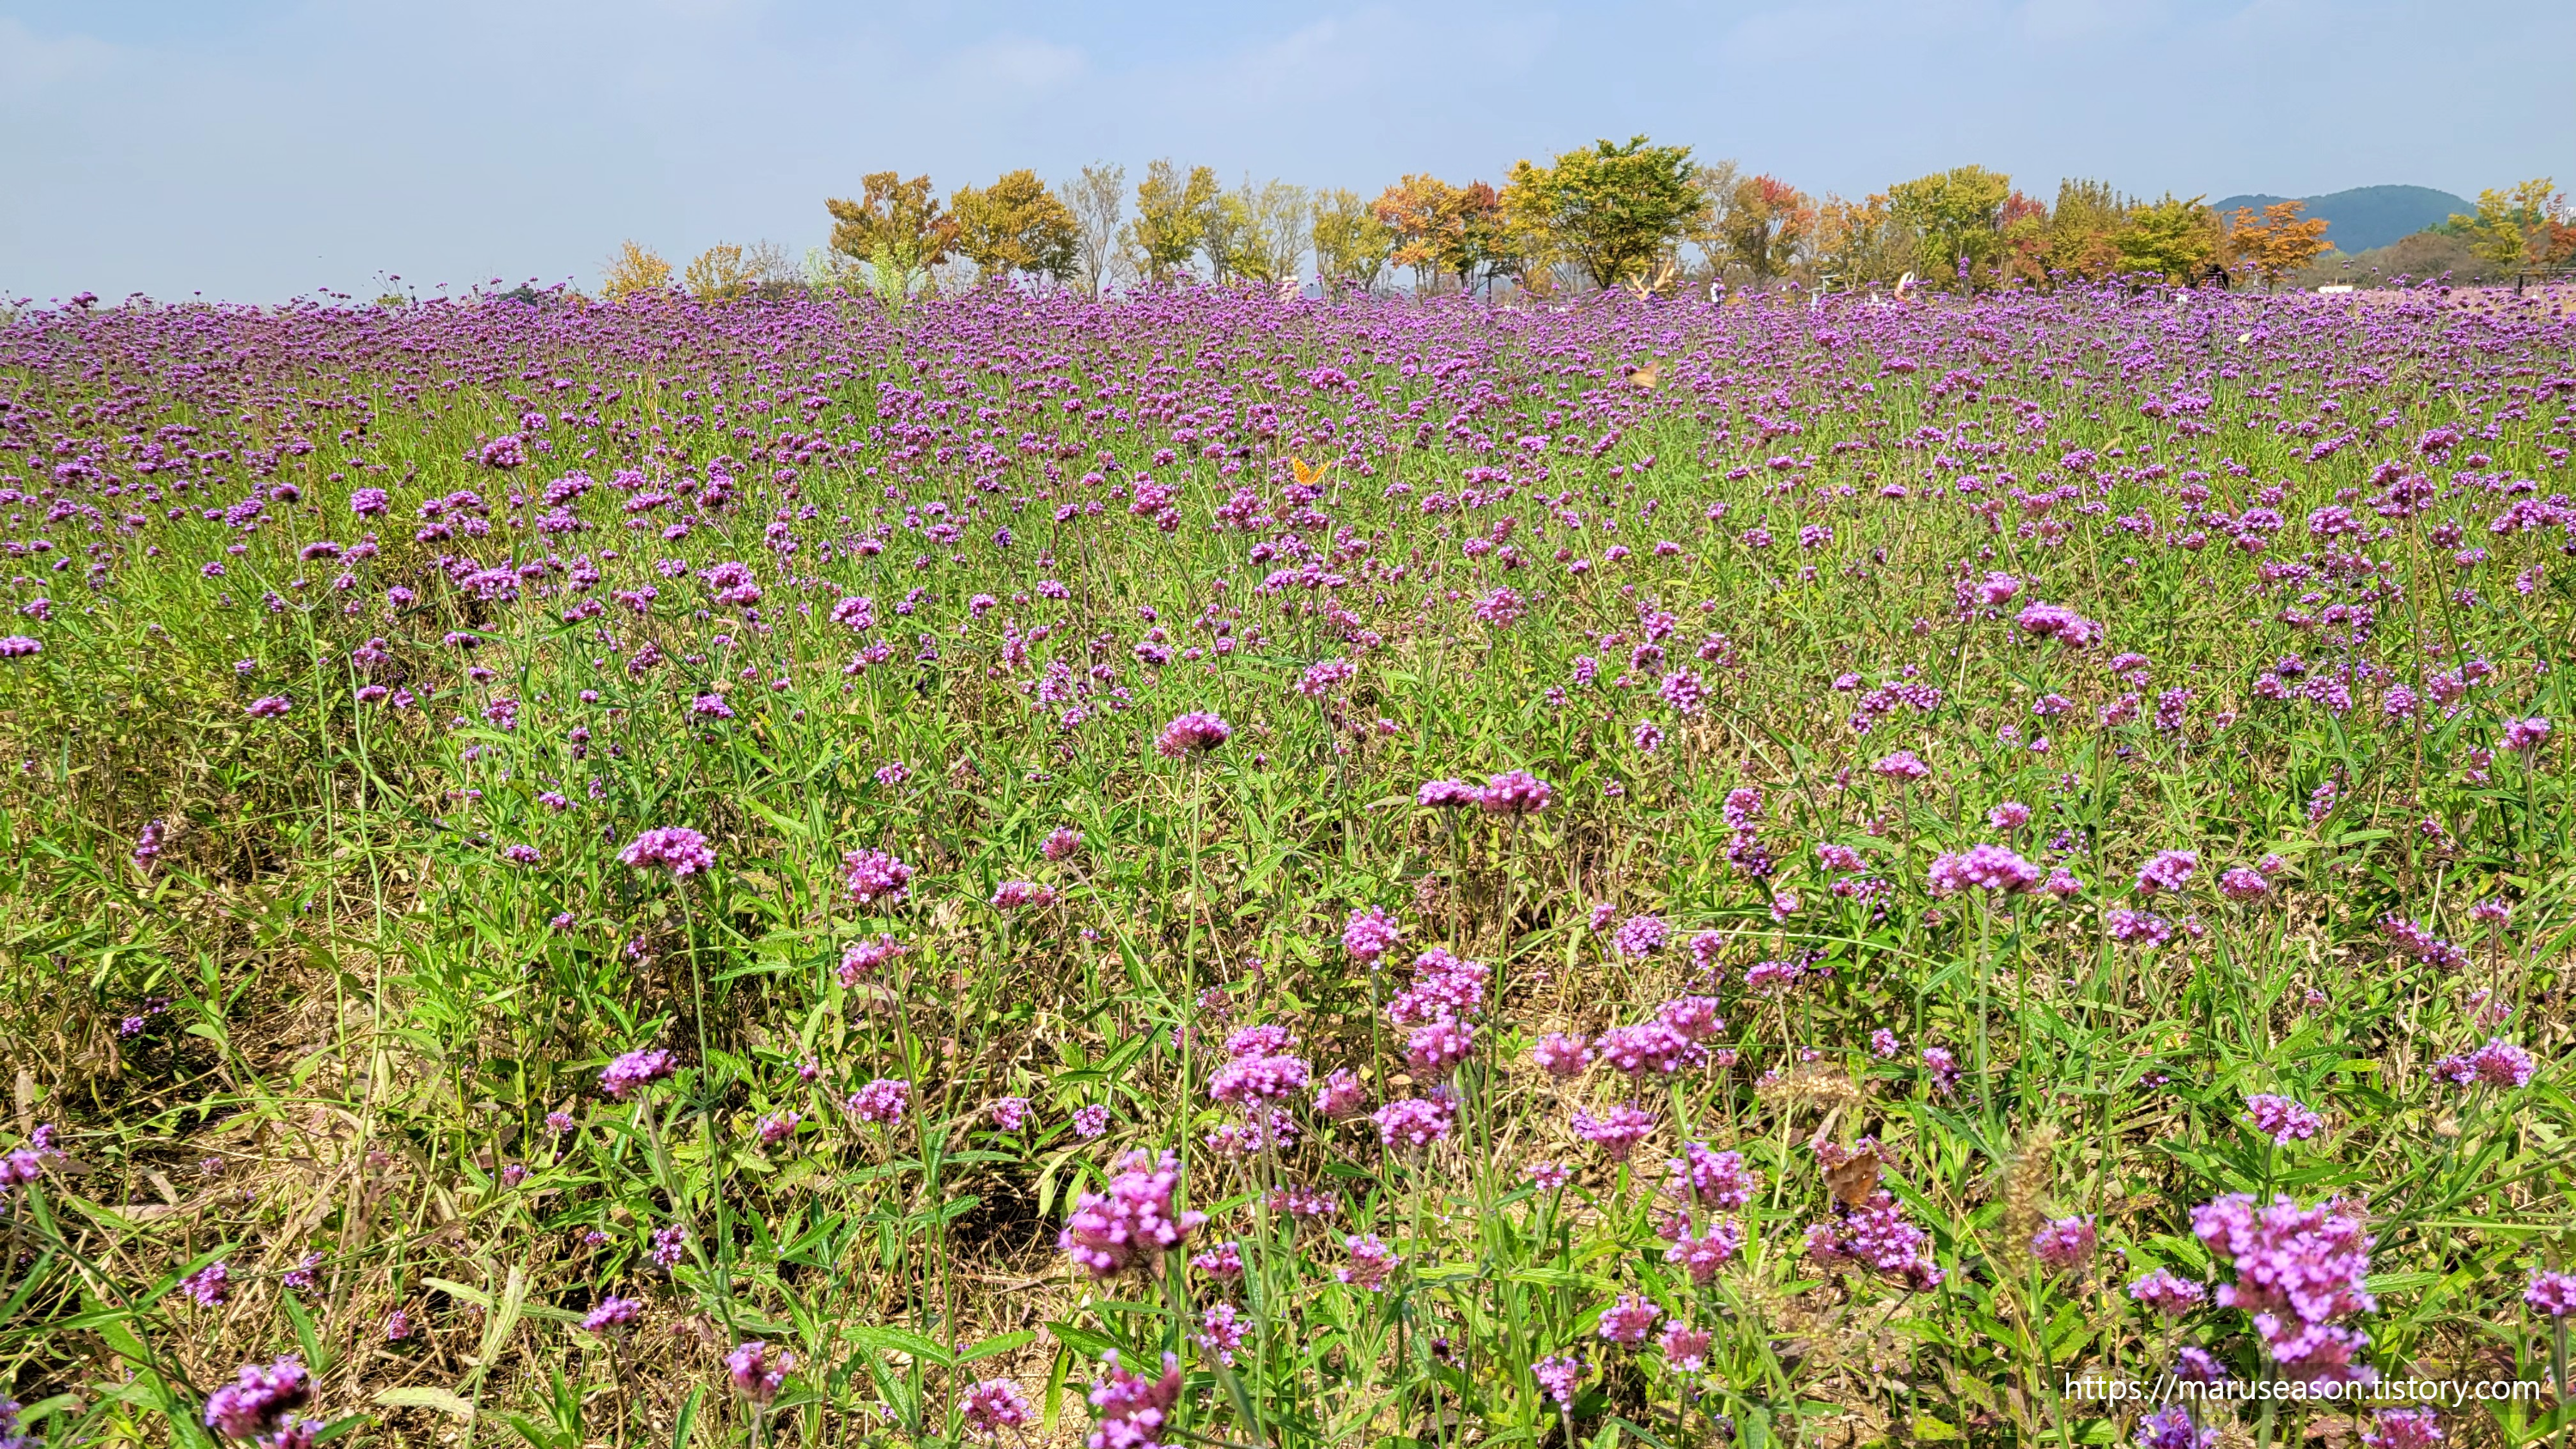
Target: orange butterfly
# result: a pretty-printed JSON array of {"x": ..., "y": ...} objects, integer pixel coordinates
[
  {"x": 1306, "y": 475},
  {"x": 1647, "y": 376}
]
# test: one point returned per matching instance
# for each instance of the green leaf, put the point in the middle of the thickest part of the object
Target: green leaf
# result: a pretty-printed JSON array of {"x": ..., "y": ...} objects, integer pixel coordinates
[
  {"x": 305, "y": 1337},
  {"x": 454, "y": 1289},
  {"x": 46, "y": 1408},
  {"x": 1081, "y": 1340},
  {"x": 901, "y": 1340},
  {"x": 688, "y": 1418},
  {"x": 991, "y": 1346}
]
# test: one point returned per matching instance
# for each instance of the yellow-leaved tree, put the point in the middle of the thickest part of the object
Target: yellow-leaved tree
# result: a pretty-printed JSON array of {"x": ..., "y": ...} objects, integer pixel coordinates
[
  {"x": 1351, "y": 245},
  {"x": 2176, "y": 239},
  {"x": 1259, "y": 233},
  {"x": 2078, "y": 239},
  {"x": 1171, "y": 216},
  {"x": 1861, "y": 243},
  {"x": 1435, "y": 226},
  {"x": 719, "y": 274},
  {"x": 2527, "y": 225},
  {"x": 636, "y": 269},
  {"x": 1016, "y": 225}
]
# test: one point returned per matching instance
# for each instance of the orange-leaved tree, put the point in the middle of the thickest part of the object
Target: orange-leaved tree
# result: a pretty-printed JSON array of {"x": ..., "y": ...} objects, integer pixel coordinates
[
  {"x": 2023, "y": 228},
  {"x": 1767, "y": 220},
  {"x": 2276, "y": 243},
  {"x": 896, "y": 227},
  {"x": 1436, "y": 227}
]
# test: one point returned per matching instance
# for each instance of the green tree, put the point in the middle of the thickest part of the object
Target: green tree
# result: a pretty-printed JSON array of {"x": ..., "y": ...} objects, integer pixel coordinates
[
  {"x": 1956, "y": 215},
  {"x": 1171, "y": 216},
  {"x": 1016, "y": 225},
  {"x": 896, "y": 227},
  {"x": 1614, "y": 209},
  {"x": 2178, "y": 240},
  {"x": 1258, "y": 234},
  {"x": 1351, "y": 245},
  {"x": 2078, "y": 239}
]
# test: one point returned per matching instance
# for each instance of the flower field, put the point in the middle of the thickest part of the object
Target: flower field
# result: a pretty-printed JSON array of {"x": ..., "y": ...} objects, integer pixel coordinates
[{"x": 1211, "y": 870}]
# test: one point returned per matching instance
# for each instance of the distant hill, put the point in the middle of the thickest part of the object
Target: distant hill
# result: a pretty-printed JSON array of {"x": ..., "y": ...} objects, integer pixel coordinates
[{"x": 2367, "y": 216}]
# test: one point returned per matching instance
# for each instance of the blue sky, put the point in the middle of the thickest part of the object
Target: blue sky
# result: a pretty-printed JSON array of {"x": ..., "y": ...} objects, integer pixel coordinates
[{"x": 256, "y": 151}]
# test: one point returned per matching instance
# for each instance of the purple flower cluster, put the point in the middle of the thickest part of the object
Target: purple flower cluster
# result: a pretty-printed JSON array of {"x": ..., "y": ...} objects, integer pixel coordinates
[
  {"x": 2064, "y": 1245},
  {"x": 1876, "y": 1236},
  {"x": 676, "y": 848},
  {"x": 993, "y": 1407},
  {"x": 1133, "y": 1410},
  {"x": 1371, "y": 1263},
  {"x": 2499, "y": 1063},
  {"x": 2052, "y": 621},
  {"x": 1514, "y": 793},
  {"x": 881, "y": 1101},
  {"x": 2282, "y": 1119},
  {"x": 611, "y": 1313},
  {"x": 1558, "y": 1377},
  {"x": 1259, "y": 1068},
  {"x": 1017, "y": 894},
  {"x": 1416, "y": 1122},
  {"x": 1641, "y": 936},
  {"x": 1629, "y": 1319},
  {"x": 2551, "y": 1293},
  {"x": 1617, "y": 1131},
  {"x": 634, "y": 1070},
  {"x": 1194, "y": 733},
  {"x": 1982, "y": 867},
  {"x": 2169, "y": 1293},
  {"x": 2171, "y": 1427},
  {"x": 1371, "y": 934},
  {"x": 1711, "y": 1181},
  {"x": 874, "y": 875},
  {"x": 261, "y": 1401},
  {"x": 758, "y": 1371},
  {"x": 1130, "y": 1223},
  {"x": 2297, "y": 1271},
  {"x": 1444, "y": 988},
  {"x": 862, "y": 959},
  {"x": 2167, "y": 870}
]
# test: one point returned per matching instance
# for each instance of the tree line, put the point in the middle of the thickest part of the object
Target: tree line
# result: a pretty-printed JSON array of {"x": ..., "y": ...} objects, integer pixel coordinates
[{"x": 1634, "y": 215}]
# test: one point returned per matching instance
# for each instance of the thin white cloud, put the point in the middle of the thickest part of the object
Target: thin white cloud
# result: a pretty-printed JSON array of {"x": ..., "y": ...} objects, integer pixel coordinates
[
  {"x": 1025, "y": 66},
  {"x": 32, "y": 65},
  {"x": 311, "y": 142}
]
